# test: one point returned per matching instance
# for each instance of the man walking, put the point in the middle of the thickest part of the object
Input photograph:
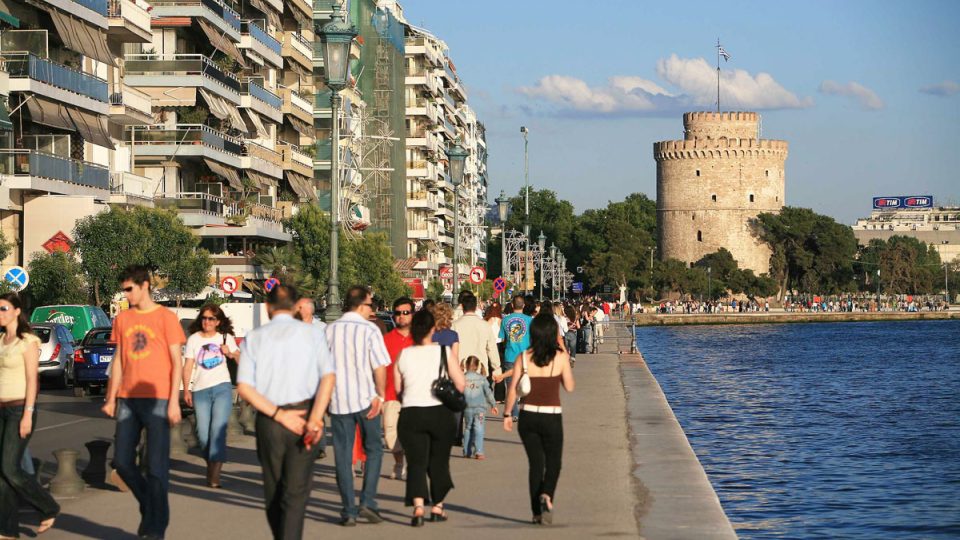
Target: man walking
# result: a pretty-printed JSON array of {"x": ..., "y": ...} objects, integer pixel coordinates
[
  {"x": 144, "y": 393},
  {"x": 396, "y": 340},
  {"x": 360, "y": 360},
  {"x": 285, "y": 373},
  {"x": 515, "y": 332},
  {"x": 476, "y": 339}
]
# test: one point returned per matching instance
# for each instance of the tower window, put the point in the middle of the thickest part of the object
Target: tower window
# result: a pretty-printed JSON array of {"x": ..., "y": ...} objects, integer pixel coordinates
[
  {"x": 699, "y": 236},
  {"x": 713, "y": 197},
  {"x": 751, "y": 197},
  {"x": 698, "y": 172},
  {"x": 693, "y": 217},
  {"x": 768, "y": 173}
]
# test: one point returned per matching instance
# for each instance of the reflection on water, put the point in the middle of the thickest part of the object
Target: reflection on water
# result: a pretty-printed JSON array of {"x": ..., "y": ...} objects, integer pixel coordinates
[{"x": 845, "y": 430}]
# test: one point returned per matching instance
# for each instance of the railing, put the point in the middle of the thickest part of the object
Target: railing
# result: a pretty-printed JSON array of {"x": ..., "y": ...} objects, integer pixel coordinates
[
  {"x": 294, "y": 154},
  {"x": 40, "y": 69},
  {"x": 324, "y": 150},
  {"x": 99, "y": 6},
  {"x": 300, "y": 44},
  {"x": 300, "y": 101},
  {"x": 324, "y": 5},
  {"x": 131, "y": 97},
  {"x": 221, "y": 10},
  {"x": 259, "y": 34},
  {"x": 205, "y": 203},
  {"x": 126, "y": 183},
  {"x": 264, "y": 153},
  {"x": 185, "y": 134},
  {"x": 262, "y": 94},
  {"x": 416, "y": 164},
  {"x": 44, "y": 165},
  {"x": 179, "y": 64},
  {"x": 127, "y": 9}
]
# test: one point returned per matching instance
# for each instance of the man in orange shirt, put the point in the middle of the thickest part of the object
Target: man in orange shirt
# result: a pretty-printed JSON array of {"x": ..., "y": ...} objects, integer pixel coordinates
[
  {"x": 144, "y": 392},
  {"x": 396, "y": 340}
]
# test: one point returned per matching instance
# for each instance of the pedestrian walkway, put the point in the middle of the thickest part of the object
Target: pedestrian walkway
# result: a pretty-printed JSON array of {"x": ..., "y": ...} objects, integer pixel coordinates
[{"x": 595, "y": 496}]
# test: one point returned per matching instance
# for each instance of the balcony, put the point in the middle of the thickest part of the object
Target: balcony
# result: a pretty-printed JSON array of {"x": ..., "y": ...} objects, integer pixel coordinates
[
  {"x": 263, "y": 160},
  {"x": 422, "y": 234},
  {"x": 128, "y": 22},
  {"x": 420, "y": 201},
  {"x": 295, "y": 159},
  {"x": 253, "y": 96},
  {"x": 303, "y": 6},
  {"x": 179, "y": 71},
  {"x": 132, "y": 189},
  {"x": 92, "y": 11},
  {"x": 30, "y": 73},
  {"x": 324, "y": 150},
  {"x": 224, "y": 18},
  {"x": 40, "y": 171},
  {"x": 216, "y": 216},
  {"x": 296, "y": 105},
  {"x": 324, "y": 6},
  {"x": 298, "y": 49},
  {"x": 158, "y": 143},
  {"x": 256, "y": 39},
  {"x": 130, "y": 107}
]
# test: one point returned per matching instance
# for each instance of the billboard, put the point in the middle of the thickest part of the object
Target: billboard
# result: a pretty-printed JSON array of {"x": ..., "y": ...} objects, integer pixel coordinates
[{"x": 909, "y": 201}]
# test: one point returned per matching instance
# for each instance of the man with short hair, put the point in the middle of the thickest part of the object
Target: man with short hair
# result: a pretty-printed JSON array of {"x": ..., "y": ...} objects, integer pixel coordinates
[
  {"x": 515, "y": 332},
  {"x": 285, "y": 373},
  {"x": 305, "y": 309},
  {"x": 144, "y": 393},
  {"x": 396, "y": 340},
  {"x": 360, "y": 360},
  {"x": 476, "y": 339}
]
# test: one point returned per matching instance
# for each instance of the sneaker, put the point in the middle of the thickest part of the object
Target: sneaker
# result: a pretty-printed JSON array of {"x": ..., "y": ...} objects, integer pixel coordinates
[
  {"x": 370, "y": 514},
  {"x": 348, "y": 521}
]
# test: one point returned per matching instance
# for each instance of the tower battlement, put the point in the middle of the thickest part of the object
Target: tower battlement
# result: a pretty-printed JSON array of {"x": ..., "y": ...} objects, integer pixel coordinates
[
  {"x": 714, "y": 125},
  {"x": 722, "y": 147}
]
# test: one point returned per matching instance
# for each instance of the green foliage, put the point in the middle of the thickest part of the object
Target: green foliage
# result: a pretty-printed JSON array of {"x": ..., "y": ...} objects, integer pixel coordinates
[
  {"x": 434, "y": 290},
  {"x": 311, "y": 241},
  {"x": 5, "y": 247},
  {"x": 907, "y": 266},
  {"x": 56, "y": 278}
]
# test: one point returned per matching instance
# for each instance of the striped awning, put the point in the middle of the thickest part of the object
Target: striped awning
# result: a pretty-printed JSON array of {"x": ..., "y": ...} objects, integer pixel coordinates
[
  {"x": 302, "y": 127},
  {"x": 81, "y": 37},
  {"x": 221, "y": 42},
  {"x": 228, "y": 173},
  {"x": 301, "y": 185},
  {"x": 262, "y": 181}
]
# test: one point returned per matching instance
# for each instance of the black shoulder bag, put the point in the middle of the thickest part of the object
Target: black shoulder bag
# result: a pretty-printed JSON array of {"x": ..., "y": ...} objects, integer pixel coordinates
[{"x": 444, "y": 389}]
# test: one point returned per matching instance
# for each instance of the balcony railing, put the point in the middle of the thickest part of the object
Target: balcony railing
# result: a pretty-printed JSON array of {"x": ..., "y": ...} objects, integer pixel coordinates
[
  {"x": 259, "y": 34},
  {"x": 300, "y": 43},
  {"x": 130, "y": 97},
  {"x": 324, "y": 5},
  {"x": 185, "y": 134},
  {"x": 40, "y": 69},
  {"x": 179, "y": 64},
  {"x": 262, "y": 94},
  {"x": 416, "y": 164},
  {"x": 99, "y": 6},
  {"x": 221, "y": 10},
  {"x": 264, "y": 153},
  {"x": 324, "y": 150},
  {"x": 205, "y": 203},
  {"x": 125, "y": 183},
  {"x": 44, "y": 165}
]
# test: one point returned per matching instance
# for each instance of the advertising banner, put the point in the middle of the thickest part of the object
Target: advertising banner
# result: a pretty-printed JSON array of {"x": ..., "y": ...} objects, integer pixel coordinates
[{"x": 909, "y": 201}]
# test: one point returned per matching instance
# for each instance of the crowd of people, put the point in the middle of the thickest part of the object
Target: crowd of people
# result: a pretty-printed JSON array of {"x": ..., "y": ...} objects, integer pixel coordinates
[{"x": 378, "y": 391}]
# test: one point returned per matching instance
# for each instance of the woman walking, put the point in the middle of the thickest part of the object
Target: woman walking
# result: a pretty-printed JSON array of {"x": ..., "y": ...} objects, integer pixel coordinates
[
  {"x": 570, "y": 337},
  {"x": 206, "y": 383},
  {"x": 541, "y": 424},
  {"x": 19, "y": 365},
  {"x": 426, "y": 427}
]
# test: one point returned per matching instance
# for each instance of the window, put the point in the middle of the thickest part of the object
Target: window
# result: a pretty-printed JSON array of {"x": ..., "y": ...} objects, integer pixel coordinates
[
  {"x": 693, "y": 217},
  {"x": 699, "y": 236},
  {"x": 698, "y": 172},
  {"x": 767, "y": 172},
  {"x": 751, "y": 197},
  {"x": 713, "y": 197}
]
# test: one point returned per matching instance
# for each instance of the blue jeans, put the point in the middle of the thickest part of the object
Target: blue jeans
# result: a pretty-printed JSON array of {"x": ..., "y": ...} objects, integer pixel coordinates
[
  {"x": 473, "y": 427},
  {"x": 212, "y": 407},
  {"x": 344, "y": 428},
  {"x": 508, "y": 368},
  {"x": 134, "y": 414}
]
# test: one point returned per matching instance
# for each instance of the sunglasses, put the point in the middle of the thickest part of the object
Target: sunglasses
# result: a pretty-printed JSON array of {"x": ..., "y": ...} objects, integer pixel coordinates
[
  {"x": 401, "y": 312},
  {"x": 209, "y": 319},
  {"x": 6, "y": 308}
]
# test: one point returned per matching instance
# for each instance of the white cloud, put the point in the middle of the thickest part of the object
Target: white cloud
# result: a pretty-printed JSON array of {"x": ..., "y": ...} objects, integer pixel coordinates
[
  {"x": 694, "y": 78},
  {"x": 944, "y": 89},
  {"x": 738, "y": 88},
  {"x": 865, "y": 97}
]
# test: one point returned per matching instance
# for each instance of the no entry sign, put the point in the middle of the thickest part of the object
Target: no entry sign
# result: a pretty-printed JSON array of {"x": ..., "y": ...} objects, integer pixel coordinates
[{"x": 229, "y": 284}]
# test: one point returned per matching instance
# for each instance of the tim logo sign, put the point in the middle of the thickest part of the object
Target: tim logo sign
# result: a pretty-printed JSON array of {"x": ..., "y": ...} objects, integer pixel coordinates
[{"x": 893, "y": 203}]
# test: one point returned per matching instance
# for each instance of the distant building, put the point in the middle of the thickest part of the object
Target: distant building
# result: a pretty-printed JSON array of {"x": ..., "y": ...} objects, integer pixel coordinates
[
  {"x": 712, "y": 183},
  {"x": 936, "y": 226}
]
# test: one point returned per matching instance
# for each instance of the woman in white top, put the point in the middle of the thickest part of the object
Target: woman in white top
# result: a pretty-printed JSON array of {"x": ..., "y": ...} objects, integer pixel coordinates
[
  {"x": 426, "y": 427},
  {"x": 207, "y": 386}
]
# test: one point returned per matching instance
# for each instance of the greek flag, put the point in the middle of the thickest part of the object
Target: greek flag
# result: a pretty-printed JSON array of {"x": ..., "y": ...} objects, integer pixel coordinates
[{"x": 723, "y": 53}]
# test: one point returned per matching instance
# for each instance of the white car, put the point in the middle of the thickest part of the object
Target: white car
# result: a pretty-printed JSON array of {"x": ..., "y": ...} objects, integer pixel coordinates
[{"x": 56, "y": 353}]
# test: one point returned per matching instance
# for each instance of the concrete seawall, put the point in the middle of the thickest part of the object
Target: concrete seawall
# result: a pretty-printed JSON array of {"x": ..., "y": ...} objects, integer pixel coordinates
[{"x": 680, "y": 319}]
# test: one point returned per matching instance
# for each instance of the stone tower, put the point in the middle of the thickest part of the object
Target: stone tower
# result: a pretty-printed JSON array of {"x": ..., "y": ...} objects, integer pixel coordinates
[{"x": 712, "y": 182}]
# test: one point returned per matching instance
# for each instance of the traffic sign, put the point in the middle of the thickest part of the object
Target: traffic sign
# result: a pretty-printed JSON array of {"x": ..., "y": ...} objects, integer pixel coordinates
[
  {"x": 446, "y": 272},
  {"x": 577, "y": 287},
  {"x": 499, "y": 285},
  {"x": 477, "y": 275},
  {"x": 271, "y": 283},
  {"x": 229, "y": 284},
  {"x": 18, "y": 277}
]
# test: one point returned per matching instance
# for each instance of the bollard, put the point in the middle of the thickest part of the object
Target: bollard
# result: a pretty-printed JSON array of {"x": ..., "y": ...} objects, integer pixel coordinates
[
  {"x": 95, "y": 472},
  {"x": 67, "y": 483},
  {"x": 177, "y": 446},
  {"x": 248, "y": 417},
  {"x": 190, "y": 433}
]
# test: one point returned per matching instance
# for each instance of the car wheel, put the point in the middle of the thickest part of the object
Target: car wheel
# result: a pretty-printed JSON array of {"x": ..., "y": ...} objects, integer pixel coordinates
[
  {"x": 79, "y": 391},
  {"x": 64, "y": 381}
]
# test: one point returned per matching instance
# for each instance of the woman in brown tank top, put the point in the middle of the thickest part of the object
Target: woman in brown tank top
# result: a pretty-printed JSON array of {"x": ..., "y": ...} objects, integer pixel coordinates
[{"x": 541, "y": 422}]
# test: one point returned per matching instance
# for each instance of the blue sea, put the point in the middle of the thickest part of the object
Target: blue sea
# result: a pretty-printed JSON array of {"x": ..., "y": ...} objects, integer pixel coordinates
[{"x": 836, "y": 430}]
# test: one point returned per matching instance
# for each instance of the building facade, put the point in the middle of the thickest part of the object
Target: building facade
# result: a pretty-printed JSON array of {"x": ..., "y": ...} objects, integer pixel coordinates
[
  {"x": 938, "y": 227},
  {"x": 712, "y": 183}
]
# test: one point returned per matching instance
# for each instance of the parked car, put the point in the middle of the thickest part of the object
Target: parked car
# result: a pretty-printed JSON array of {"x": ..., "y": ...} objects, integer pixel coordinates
[
  {"x": 77, "y": 319},
  {"x": 91, "y": 361},
  {"x": 56, "y": 353}
]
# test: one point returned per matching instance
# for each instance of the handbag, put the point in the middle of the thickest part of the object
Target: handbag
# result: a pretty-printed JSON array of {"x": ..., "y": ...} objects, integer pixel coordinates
[
  {"x": 523, "y": 385},
  {"x": 444, "y": 389}
]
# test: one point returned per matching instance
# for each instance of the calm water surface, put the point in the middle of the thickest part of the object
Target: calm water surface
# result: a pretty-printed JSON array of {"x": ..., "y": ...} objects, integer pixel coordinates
[{"x": 844, "y": 430}]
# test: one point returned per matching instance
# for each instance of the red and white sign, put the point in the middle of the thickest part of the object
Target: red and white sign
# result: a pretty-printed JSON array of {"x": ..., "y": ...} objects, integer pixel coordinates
[
  {"x": 229, "y": 284},
  {"x": 477, "y": 275},
  {"x": 446, "y": 272}
]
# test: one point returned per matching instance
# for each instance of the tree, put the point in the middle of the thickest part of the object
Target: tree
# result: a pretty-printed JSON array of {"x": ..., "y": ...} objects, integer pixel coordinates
[
  {"x": 5, "y": 247},
  {"x": 56, "y": 278},
  {"x": 434, "y": 290},
  {"x": 549, "y": 214},
  {"x": 907, "y": 266},
  {"x": 670, "y": 275},
  {"x": 311, "y": 241},
  {"x": 367, "y": 260}
]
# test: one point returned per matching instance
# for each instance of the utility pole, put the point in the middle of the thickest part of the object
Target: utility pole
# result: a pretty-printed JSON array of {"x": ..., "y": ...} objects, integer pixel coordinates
[{"x": 526, "y": 204}]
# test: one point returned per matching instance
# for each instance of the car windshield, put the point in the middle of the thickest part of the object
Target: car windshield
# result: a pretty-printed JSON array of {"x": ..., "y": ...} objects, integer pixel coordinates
[
  {"x": 43, "y": 333},
  {"x": 98, "y": 337}
]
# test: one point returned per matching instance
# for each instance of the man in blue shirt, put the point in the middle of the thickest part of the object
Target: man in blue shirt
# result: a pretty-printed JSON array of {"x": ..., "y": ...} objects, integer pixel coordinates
[
  {"x": 286, "y": 372},
  {"x": 515, "y": 332}
]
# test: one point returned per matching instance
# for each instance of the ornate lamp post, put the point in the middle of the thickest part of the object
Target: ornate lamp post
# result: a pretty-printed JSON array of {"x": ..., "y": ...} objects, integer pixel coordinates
[
  {"x": 458, "y": 157},
  {"x": 503, "y": 206},
  {"x": 563, "y": 276},
  {"x": 526, "y": 214},
  {"x": 336, "y": 37},
  {"x": 553, "y": 265},
  {"x": 541, "y": 245}
]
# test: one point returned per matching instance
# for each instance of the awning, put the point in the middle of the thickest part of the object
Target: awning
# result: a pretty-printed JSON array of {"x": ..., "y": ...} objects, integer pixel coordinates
[
  {"x": 302, "y": 19},
  {"x": 261, "y": 130},
  {"x": 262, "y": 181},
  {"x": 228, "y": 173},
  {"x": 224, "y": 110},
  {"x": 9, "y": 19},
  {"x": 297, "y": 68},
  {"x": 254, "y": 57},
  {"x": 301, "y": 185},
  {"x": 303, "y": 127},
  {"x": 5, "y": 124},
  {"x": 272, "y": 15},
  {"x": 90, "y": 128},
  {"x": 221, "y": 42},
  {"x": 81, "y": 37},
  {"x": 49, "y": 113}
]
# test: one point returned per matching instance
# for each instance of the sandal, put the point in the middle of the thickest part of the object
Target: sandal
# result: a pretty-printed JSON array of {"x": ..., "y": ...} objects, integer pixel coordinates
[
  {"x": 436, "y": 517},
  {"x": 417, "y": 520},
  {"x": 546, "y": 510}
]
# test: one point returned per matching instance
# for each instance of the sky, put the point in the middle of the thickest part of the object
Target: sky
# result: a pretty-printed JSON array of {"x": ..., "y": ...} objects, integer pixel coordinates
[{"x": 867, "y": 93}]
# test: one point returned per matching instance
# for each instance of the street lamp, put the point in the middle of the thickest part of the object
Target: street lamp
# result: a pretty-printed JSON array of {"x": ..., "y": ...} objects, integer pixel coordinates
[
  {"x": 709, "y": 289},
  {"x": 526, "y": 203},
  {"x": 541, "y": 243},
  {"x": 503, "y": 206},
  {"x": 336, "y": 37},
  {"x": 458, "y": 157},
  {"x": 553, "y": 269},
  {"x": 563, "y": 276}
]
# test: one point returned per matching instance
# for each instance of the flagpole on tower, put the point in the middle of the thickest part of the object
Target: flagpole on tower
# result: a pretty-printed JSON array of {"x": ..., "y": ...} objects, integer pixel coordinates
[{"x": 718, "y": 74}]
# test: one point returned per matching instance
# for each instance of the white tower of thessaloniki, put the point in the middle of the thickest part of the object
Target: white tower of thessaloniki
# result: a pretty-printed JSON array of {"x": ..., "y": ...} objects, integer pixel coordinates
[{"x": 710, "y": 184}]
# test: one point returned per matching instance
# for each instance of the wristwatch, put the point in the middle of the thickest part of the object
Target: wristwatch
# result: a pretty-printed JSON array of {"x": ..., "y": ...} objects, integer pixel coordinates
[{"x": 29, "y": 408}]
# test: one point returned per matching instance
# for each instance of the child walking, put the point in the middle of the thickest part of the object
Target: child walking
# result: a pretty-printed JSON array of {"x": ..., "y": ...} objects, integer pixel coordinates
[{"x": 479, "y": 398}]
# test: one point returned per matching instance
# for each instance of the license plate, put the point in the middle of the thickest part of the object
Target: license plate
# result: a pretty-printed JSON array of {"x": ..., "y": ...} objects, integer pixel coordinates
[{"x": 106, "y": 359}]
